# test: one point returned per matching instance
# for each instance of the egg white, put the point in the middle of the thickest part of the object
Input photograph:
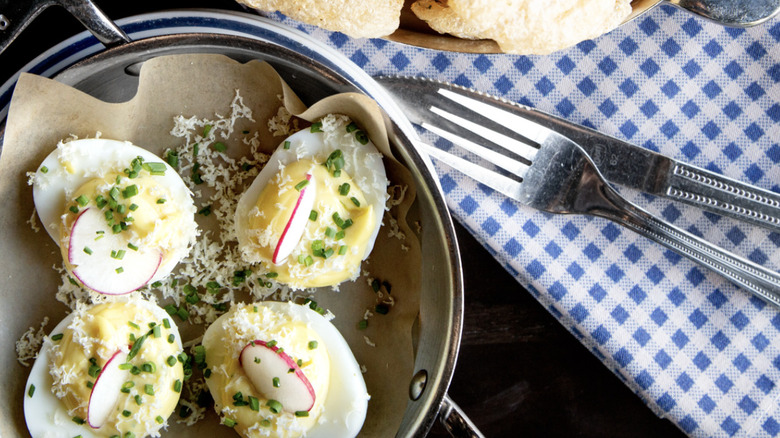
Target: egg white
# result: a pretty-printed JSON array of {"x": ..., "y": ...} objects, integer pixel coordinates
[
  {"x": 96, "y": 157},
  {"x": 45, "y": 414},
  {"x": 345, "y": 406},
  {"x": 362, "y": 162}
]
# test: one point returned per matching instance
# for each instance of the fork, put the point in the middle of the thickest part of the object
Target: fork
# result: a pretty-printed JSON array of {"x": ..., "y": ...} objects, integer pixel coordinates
[{"x": 550, "y": 172}]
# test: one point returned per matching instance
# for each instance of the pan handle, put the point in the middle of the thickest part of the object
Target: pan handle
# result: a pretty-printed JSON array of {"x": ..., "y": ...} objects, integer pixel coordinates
[
  {"x": 15, "y": 15},
  {"x": 455, "y": 420}
]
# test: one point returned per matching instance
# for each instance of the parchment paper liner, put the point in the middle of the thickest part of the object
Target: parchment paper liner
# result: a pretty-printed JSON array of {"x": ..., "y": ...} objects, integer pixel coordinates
[{"x": 44, "y": 111}]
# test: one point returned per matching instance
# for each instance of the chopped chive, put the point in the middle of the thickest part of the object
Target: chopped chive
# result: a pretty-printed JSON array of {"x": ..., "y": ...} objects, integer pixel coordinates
[
  {"x": 355, "y": 201},
  {"x": 308, "y": 261},
  {"x": 166, "y": 323},
  {"x": 78, "y": 420},
  {"x": 119, "y": 270},
  {"x": 254, "y": 403},
  {"x": 361, "y": 137},
  {"x": 161, "y": 201},
  {"x": 301, "y": 413},
  {"x": 330, "y": 232},
  {"x": 131, "y": 246},
  {"x": 177, "y": 385},
  {"x": 133, "y": 325},
  {"x": 56, "y": 337},
  {"x": 118, "y": 254},
  {"x": 44, "y": 169},
  {"x": 87, "y": 250},
  {"x": 116, "y": 228},
  {"x": 274, "y": 406},
  {"x": 312, "y": 345},
  {"x": 205, "y": 211},
  {"x": 220, "y": 147},
  {"x": 301, "y": 185},
  {"x": 344, "y": 189},
  {"x": 171, "y": 361},
  {"x": 182, "y": 313},
  {"x": 313, "y": 215},
  {"x": 100, "y": 201},
  {"x": 130, "y": 191},
  {"x": 257, "y": 360},
  {"x": 149, "y": 389},
  {"x": 90, "y": 384},
  {"x": 114, "y": 193},
  {"x": 159, "y": 419},
  {"x": 362, "y": 324},
  {"x": 126, "y": 413},
  {"x": 340, "y": 235},
  {"x": 172, "y": 157},
  {"x": 73, "y": 209},
  {"x": 352, "y": 127},
  {"x": 31, "y": 391},
  {"x": 157, "y": 331},
  {"x": 139, "y": 400},
  {"x": 133, "y": 207},
  {"x": 229, "y": 422},
  {"x": 276, "y": 382},
  {"x": 125, "y": 366},
  {"x": 316, "y": 127},
  {"x": 171, "y": 338},
  {"x": 286, "y": 144},
  {"x": 121, "y": 209},
  {"x": 82, "y": 200},
  {"x": 265, "y": 423}
]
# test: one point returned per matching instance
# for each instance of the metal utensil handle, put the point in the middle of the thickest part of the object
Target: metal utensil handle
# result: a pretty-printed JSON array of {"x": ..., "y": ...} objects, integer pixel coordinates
[
  {"x": 15, "y": 15},
  {"x": 757, "y": 279},
  {"x": 96, "y": 21},
  {"x": 737, "y": 13},
  {"x": 724, "y": 196},
  {"x": 455, "y": 420}
]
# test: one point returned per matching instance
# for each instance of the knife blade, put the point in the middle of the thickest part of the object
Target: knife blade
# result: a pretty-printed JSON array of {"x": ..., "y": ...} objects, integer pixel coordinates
[{"x": 620, "y": 162}]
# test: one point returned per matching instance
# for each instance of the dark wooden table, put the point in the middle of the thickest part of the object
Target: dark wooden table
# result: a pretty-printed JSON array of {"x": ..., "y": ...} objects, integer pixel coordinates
[{"x": 519, "y": 372}]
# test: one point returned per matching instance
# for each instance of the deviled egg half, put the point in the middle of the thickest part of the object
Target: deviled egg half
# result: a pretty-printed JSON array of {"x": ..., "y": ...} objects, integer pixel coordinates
[
  {"x": 121, "y": 215},
  {"x": 112, "y": 369},
  {"x": 279, "y": 369},
  {"x": 313, "y": 212}
]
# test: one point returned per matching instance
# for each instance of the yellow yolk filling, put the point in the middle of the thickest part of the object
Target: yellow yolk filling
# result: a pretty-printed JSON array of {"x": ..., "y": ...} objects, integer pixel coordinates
[
  {"x": 145, "y": 214},
  {"x": 334, "y": 241},
  {"x": 224, "y": 343},
  {"x": 92, "y": 339}
]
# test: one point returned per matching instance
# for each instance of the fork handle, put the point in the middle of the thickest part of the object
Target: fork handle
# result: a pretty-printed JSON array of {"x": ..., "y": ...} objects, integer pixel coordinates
[{"x": 755, "y": 278}]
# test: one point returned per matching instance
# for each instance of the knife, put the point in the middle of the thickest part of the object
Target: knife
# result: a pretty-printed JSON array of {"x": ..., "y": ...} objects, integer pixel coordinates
[{"x": 620, "y": 162}]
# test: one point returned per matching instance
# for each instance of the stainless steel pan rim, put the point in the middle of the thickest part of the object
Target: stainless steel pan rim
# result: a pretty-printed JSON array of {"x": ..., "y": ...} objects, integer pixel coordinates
[{"x": 441, "y": 315}]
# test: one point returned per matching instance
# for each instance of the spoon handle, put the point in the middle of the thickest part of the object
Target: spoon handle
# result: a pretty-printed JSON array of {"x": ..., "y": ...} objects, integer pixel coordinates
[{"x": 734, "y": 13}]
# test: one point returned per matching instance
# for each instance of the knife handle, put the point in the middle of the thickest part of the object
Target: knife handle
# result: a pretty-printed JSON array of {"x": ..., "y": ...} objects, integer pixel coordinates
[{"x": 724, "y": 196}]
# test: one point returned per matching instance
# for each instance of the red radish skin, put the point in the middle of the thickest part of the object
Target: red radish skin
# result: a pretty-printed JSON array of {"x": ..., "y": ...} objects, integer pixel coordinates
[
  {"x": 296, "y": 225},
  {"x": 106, "y": 390},
  {"x": 91, "y": 258},
  {"x": 295, "y": 392}
]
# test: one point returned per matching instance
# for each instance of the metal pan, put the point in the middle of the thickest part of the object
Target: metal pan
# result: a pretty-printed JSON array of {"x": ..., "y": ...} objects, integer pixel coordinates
[{"x": 111, "y": 76}]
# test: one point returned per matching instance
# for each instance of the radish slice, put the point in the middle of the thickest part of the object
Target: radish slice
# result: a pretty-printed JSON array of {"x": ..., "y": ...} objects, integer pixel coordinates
[
  {"x": 277, "y": 376},
  {"x": 106, "y": 390},
  {"x": 103, "y": 261},
  {"x": 296, "y": 225}
]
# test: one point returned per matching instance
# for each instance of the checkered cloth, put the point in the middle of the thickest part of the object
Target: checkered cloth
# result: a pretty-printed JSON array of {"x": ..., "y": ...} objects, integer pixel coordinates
[{"x": 695, "y": 348}]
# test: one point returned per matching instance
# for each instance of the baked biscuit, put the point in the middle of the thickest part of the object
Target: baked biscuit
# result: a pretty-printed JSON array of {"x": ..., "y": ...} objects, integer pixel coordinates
[
  {"x": 524, "y": 26},
  {"x": 356, "y": 18}
]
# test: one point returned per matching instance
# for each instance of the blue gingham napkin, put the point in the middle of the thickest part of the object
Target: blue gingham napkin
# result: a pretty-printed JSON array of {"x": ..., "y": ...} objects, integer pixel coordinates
[{"x": 695, "y": 348}]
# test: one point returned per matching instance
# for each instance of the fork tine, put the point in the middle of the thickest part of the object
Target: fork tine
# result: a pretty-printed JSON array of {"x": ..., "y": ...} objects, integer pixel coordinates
[
  {"x": 520, "y": 148},
  {"x": 528, "y": 129},
  {"x": 496, "y": 181},
  {"x": 516, "y": 167}
]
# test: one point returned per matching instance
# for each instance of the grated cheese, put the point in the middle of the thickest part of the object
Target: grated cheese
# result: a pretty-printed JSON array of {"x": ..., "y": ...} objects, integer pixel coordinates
[{"x": 30, "y": 342}]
